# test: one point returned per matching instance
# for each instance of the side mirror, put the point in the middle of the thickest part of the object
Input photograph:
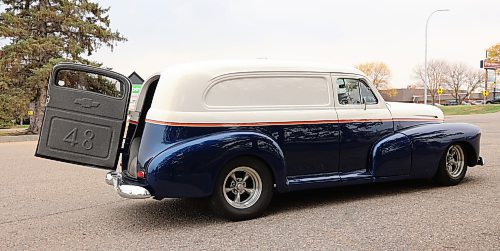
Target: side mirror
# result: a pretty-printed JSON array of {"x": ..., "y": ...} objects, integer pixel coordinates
[{"x": 364, "y": 103}]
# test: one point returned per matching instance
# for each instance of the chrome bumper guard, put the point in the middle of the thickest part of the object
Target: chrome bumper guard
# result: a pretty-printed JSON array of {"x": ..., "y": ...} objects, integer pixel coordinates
[
  {"x": 114, "y": 179},
  {"x": 480, "y": 161}
]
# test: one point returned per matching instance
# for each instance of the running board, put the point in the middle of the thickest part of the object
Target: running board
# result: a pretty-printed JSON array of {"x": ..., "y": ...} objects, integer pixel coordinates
[{"x": 327, "y": 179}]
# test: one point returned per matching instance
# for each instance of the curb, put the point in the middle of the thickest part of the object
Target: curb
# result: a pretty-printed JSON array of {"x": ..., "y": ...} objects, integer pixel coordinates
[{"x": 21, "y": 138}]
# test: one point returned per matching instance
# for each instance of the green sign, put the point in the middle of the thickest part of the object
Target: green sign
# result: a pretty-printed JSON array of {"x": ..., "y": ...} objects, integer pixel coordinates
[{"x": 136, "y": 89}]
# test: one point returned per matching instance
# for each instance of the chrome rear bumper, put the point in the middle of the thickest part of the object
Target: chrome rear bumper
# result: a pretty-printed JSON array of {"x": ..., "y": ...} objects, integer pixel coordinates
[{"x": 114, "y": 179}]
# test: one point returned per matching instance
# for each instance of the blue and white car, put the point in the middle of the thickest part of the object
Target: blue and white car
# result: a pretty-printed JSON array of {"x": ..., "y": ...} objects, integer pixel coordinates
[{"x": 237, "y": 132}]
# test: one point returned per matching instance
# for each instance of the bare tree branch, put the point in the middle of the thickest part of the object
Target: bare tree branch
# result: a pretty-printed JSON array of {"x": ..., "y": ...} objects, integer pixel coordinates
[
  {"x": 436, "y": 70},
  {"x": 378, "y": 73},
  {"x": 456, "y": 74}
]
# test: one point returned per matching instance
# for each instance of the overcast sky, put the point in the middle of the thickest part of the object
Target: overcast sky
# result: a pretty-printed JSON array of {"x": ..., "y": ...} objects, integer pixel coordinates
[{"x": 166, "y": 32}]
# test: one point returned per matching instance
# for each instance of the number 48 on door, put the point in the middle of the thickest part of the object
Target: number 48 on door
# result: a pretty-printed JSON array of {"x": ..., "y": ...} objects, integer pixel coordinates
[{"x": 87, "y": 144}]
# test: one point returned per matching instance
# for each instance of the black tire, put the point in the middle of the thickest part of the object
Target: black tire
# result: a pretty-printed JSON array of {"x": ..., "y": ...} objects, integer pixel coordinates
[
  {"x": 453, "y": 166},
  {"x": 257, "y": 203}
]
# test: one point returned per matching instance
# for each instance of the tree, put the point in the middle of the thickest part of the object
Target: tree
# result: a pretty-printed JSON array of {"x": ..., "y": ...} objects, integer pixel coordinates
[
  {"x": 494, "y": 55},
  {"x": 436, "y": 70},
  {"x": 42, "y": 33},
  {"x": 456, "y": 74},
  {"x": 462, "y": 79},
  {"x": 473, "y": 80},
  {"x": 378, "y": 73},
  {"x": 494, "y": 52}
]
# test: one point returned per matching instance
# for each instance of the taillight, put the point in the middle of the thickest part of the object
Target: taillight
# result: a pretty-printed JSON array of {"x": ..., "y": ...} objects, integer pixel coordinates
[{"x": 140, "y": 174}]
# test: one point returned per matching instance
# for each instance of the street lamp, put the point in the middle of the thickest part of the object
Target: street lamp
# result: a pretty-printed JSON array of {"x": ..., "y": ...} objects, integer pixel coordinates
[{"x": 426, "y": 75}]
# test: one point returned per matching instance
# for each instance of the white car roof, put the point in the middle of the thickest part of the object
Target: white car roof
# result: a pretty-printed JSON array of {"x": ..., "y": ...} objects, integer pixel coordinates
[
  {"x": 216, "y": 68},
  {"x": 181, "y": 88}
]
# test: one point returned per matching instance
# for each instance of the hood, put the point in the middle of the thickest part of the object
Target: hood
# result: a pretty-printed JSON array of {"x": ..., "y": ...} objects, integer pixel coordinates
[{"x": 414, "y": 111}]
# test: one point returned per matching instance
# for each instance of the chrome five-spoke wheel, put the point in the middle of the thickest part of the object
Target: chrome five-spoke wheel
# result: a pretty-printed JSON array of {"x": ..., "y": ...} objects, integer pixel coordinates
[
  {"x": 242, "y": 187},
  {"x": 453, "y": 166},
  {"x": 455, "y": 161}
]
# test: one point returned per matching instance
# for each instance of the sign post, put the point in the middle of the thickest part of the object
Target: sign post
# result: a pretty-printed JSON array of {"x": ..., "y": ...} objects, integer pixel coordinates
[
  {"x": 439, "y": 91},
  {"x": 491, "y": 78},
  {"x": 491, "y": 67},
  {"x": 485, "y": 95},
  {"x": 494, "y": 89},
  {"x": 134, "y": 96}
]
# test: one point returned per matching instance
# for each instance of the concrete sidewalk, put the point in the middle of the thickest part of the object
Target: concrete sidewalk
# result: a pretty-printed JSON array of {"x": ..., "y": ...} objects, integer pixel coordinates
[
  {"x": 14, "y": 137},
  {"x": 19, "y": 138}
]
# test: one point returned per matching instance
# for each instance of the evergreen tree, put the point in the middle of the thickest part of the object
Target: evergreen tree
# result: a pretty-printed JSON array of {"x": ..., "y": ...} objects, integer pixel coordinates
[{"x": 40, "y": 34}]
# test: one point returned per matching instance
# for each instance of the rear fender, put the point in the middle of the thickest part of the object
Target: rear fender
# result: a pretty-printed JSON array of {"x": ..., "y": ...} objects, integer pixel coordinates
[{"x": 189, "y": 168}]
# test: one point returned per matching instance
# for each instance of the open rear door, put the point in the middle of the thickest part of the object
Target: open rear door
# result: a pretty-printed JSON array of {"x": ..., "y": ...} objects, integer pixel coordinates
[{"x": 85, "y": 116}]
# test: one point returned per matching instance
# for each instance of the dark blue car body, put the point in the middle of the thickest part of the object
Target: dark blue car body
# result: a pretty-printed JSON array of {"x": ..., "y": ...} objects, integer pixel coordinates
[{"x": 183, "y": 161}]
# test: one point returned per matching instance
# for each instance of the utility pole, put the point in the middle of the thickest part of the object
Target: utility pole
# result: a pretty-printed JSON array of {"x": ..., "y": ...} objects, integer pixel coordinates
[{"x": 426, "y": 84}]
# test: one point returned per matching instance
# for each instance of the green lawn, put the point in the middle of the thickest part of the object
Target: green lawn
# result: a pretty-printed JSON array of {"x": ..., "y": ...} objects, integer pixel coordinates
[
  {"x": 469, "y": 109},
  {"x": 14, "y": 131}
]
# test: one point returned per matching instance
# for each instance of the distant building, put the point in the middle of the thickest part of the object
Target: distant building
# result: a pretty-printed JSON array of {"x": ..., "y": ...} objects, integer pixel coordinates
[
  {"x": 413, "y": 95},
  {"x": 135, "y": 78},
  {"x": 402, "y": 95},
  {"x": 137, "y": 82}
]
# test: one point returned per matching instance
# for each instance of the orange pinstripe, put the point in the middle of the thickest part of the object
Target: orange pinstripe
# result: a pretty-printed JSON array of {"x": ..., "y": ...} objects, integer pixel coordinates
[{"x": 313, "y": 122}]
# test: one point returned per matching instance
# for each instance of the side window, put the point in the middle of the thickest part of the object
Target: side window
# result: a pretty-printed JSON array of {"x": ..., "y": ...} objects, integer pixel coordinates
[
  {"x": 269, "y": 91},
  {"x": 353, "y": 91},
  {"x": 367, "y": 94},
  {"x": 348, "y": 91}
]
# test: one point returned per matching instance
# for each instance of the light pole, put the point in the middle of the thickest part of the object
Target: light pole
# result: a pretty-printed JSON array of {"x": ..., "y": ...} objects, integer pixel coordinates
[{"x": 426, "y": 75}]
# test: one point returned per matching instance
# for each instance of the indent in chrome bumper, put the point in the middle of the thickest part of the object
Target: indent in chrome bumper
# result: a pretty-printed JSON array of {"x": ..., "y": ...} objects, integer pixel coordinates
[{"x": 114, "y": 179}]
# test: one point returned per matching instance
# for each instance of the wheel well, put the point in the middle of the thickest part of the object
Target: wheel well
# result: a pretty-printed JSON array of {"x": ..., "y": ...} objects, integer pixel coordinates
[{"x": 470, "y": 153}]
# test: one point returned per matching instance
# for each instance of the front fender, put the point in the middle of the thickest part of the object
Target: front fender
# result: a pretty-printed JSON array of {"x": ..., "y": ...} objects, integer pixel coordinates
[
  {"x": 417, "y": 151},
  {"x": 430, "y": 141},
  {"x": 190, "y": 168}
]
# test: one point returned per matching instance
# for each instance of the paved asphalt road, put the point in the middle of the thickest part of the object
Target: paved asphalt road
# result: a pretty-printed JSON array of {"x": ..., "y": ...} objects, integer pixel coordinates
[{"x": 50, "y": 205}]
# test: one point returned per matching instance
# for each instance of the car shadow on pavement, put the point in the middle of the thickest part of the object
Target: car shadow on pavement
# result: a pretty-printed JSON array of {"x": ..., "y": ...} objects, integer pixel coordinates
[
  {"x": 303, "y": 200},
  {"x": 175, "y": 213},
  {"x": 169, "y": 213}
]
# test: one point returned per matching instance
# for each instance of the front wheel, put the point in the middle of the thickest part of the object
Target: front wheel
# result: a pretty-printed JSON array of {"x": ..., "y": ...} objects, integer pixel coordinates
[
  {"x": 243, "y": 189},
  {"x": 452, "y": 167}
]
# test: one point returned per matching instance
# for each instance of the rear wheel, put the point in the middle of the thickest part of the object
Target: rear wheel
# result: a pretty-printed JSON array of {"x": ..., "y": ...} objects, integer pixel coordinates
[
  {"x": 243, "y": 189},
  {"x": 453, "y": 166}
]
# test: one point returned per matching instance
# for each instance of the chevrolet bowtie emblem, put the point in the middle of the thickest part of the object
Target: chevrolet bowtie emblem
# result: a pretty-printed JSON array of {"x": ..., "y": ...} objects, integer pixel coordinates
[{"x": 86, "y": 102}]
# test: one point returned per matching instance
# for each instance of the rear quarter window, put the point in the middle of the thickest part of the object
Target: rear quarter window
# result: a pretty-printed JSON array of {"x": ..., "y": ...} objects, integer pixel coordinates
[
  {"x": 89, "y": 82},
  {"x": 269, "y": 92}
]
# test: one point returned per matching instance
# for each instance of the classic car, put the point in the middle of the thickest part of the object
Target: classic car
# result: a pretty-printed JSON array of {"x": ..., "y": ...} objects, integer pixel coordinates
[
  {"x": 495, "y": 100},
  {"x": 237, "y": 132}
]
